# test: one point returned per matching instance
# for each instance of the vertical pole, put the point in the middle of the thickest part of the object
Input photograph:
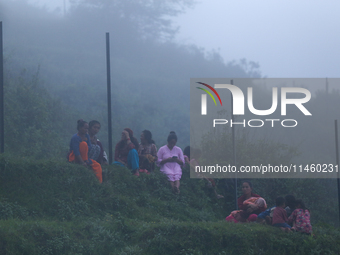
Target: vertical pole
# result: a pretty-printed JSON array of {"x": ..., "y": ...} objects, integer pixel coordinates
[
  {"x": 233, "y": 137},
  {"x": 108, "y": 73},
  {"x": 2, "y": 114},
  {"x": 337, "y": 160}
]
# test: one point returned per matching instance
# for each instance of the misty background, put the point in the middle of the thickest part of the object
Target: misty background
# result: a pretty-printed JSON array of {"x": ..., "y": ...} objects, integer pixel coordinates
[
  {"x": 66, "y": 56},
  {"x": 55, "y": 74},
  {"x": 288, "y": 39}
]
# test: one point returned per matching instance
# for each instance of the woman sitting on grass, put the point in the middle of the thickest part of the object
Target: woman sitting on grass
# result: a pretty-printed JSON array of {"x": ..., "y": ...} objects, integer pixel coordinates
[
  {"x": 96, "y": 151},
  {"x": 79, "y": 148},
  {"x": 251, "y": 208},
  {"x": 126, "y": 151},
  {"x": 147, "y": 152},
  {"x": 170, "y": 160},
  {"x": 248, "y": 210}
]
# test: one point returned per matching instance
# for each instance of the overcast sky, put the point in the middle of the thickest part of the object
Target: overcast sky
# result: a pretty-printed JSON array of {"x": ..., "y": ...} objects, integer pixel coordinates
[{"x": 287, "y": 38}]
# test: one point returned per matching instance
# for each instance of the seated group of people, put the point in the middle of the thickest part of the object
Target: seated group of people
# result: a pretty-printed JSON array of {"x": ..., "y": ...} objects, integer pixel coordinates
[
  {"x": 141, "y": 157},
  {"x": 289, "y": 214},
  {"x": 86, "y": 149}
]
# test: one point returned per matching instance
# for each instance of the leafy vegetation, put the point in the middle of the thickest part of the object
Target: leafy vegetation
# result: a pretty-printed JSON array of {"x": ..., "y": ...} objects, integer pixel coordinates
[
  {"x": 35, "y": 121},
  {"x": 54, "y": 207}
]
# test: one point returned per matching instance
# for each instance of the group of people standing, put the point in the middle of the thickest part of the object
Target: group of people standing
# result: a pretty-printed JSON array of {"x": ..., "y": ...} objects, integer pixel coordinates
[
  {"x": 86, "y": 149},
  {"x": 289, "y": 214}
]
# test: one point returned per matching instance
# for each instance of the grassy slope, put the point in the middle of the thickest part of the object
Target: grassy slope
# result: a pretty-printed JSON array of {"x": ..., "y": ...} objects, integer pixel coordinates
[{"x": 51, "y": 207}]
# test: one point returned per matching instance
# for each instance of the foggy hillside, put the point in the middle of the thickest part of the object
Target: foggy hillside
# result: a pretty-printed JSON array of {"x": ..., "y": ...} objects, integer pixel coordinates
[{"x": 150, "y": 74}]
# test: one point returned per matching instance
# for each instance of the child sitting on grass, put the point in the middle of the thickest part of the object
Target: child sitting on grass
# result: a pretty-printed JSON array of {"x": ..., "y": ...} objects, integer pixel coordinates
[
  {"x": 267, "y": 215},
  {"x": 300, "y": 218},
  {"x": 280, "y": 215}
]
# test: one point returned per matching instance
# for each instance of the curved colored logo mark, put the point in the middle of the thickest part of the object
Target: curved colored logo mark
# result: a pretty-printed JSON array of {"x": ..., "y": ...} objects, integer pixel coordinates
[
  {"x": 213, "y": 90},
  {"x": 207, "y": 91}
]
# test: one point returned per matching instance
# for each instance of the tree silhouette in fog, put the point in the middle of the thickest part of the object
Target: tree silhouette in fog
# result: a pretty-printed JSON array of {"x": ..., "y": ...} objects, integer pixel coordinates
[{"x": 149, "y": 18}]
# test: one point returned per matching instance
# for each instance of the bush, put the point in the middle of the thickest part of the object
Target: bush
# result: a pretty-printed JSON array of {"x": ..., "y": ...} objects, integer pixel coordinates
[{"x": 55, "y": 207}]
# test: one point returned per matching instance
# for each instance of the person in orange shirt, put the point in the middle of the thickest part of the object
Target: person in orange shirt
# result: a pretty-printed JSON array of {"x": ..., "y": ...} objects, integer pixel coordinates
[{"x": 79, "y": 148}]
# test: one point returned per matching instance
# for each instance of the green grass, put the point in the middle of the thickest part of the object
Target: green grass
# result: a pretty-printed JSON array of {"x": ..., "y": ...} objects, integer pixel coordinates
[{"x": 53, "y": 207}]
